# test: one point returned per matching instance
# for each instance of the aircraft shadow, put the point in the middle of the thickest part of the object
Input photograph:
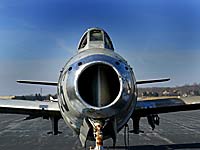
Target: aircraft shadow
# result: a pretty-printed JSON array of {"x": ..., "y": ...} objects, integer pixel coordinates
[{"x": 158, "y": 147}]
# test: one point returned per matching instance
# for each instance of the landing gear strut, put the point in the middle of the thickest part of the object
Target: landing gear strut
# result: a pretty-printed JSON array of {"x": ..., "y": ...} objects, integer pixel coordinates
[
  {"x": 54, "y": 122},
  {"x": 136, "y": 125},
  {"x": 98, "y": 134},
  {"x": 153, "y": 120}
]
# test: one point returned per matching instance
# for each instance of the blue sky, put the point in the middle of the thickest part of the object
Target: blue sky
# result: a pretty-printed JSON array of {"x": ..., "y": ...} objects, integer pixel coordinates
[{"x": 158, "y": 38}]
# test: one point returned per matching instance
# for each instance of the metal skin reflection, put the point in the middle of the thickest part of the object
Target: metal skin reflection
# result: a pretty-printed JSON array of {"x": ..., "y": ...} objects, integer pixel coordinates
[{"x": 96, "y": 90}]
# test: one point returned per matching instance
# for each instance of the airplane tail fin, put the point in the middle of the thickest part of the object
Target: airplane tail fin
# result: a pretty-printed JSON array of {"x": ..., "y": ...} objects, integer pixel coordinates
[
  {"x": 152, "y": 81},
  {"x": 38, "y": 82}
]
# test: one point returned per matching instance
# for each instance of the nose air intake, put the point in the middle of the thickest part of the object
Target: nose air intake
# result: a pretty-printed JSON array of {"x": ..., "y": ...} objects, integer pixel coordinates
[{"x": 98, "y": 85}]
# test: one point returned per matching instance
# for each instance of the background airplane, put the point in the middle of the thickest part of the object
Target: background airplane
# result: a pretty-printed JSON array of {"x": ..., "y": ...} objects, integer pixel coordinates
[{"x": 97, "y": 94}]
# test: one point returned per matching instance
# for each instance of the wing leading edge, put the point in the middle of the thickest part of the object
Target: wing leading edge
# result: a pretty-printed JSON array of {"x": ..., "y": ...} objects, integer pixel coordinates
[
  {"x": 158, "y": 105},
  {"x": 36, "y": 108},
  {"x": 151, "y": 107}
]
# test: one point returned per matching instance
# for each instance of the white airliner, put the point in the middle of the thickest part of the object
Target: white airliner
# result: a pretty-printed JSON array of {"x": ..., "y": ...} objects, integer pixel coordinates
[{"x": 97, "y": 94}]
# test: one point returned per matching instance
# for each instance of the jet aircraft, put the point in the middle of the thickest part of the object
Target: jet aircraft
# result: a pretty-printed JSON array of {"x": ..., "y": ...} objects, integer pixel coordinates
[{"x": 97, "y": 94}]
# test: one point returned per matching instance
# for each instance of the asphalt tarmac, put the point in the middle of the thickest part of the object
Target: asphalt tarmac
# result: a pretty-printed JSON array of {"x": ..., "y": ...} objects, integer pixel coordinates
[{"x": 179, "y": 131}]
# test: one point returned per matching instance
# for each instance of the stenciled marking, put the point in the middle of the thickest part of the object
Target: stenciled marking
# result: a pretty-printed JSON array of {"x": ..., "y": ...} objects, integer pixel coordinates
[{"x": 43, "y": 106}]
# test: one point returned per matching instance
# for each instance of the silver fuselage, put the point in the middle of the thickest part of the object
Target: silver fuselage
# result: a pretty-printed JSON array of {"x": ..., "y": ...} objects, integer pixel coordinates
[{"x": 79, "y": 77}]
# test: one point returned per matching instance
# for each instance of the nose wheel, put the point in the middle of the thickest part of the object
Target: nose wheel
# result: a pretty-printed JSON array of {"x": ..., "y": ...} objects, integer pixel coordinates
[{"x": 98, "y": 135}]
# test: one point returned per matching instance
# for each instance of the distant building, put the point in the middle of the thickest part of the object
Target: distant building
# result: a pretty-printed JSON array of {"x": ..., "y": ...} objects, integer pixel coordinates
[{"x": 150, "y": 94}]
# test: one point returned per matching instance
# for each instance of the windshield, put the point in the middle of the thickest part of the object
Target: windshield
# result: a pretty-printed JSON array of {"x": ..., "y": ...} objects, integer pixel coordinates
[
  {"x": 83, "y": 42},
  {"x": 96, "y": 35},
  {"x": 108, "y": 43}
]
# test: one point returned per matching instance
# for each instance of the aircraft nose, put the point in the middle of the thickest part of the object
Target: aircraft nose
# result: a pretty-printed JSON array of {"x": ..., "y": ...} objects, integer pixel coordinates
[{"x": 97, "y": 85}]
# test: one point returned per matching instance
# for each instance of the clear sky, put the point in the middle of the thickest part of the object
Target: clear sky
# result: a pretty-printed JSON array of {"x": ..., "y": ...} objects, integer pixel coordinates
[{"x": 159, "y": 38}]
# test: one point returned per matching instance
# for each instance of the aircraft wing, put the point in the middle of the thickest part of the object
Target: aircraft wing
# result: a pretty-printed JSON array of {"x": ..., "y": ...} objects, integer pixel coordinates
[
  {"x": 32, "y": 108},
  {"x": 151, "y": 107},
  {"x": 157, "y": 105}
]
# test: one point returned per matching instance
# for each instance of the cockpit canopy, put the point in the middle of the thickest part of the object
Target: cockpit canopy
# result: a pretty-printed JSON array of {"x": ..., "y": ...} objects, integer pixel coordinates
[{"x": 95, "y": 38}]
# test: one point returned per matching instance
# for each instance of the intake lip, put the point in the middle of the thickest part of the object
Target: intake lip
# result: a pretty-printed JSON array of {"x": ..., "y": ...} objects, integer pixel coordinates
[
  {"x": 98, "y": 85},
  {"x": 82, "y": 100}
]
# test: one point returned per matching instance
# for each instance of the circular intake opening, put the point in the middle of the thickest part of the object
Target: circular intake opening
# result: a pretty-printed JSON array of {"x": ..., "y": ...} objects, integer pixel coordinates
[{"x": 98, "y": 85}]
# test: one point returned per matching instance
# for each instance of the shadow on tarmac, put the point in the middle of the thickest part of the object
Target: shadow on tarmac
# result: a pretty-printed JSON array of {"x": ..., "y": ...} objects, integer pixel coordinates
[{"x": 158, "y": 147}]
